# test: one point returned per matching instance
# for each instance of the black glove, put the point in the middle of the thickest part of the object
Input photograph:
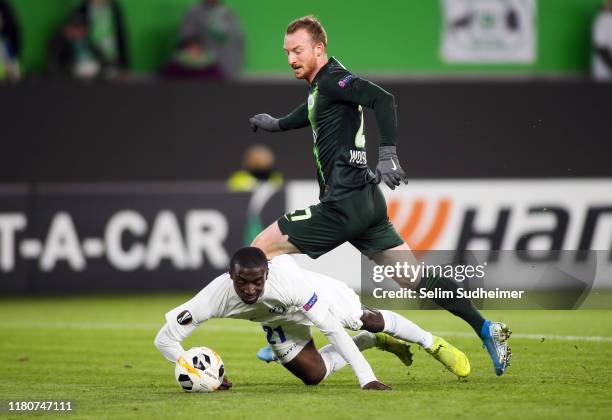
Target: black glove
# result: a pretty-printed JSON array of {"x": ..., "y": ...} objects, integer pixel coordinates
[
  {"x": 265, "y": 122},
  {"x": 388, "y": 168}
]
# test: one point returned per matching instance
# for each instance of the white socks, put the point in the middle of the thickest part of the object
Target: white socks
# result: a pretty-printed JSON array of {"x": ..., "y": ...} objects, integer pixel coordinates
[
  {"x": 364, "y": 340},
  {"x": 404, "y": 329},
  {"x": 332, "y": 359},
  {"x": 395, "y": 325}
]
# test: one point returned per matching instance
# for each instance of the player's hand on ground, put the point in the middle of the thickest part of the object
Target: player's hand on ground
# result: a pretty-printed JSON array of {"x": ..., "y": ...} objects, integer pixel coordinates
[
  {"x": 376, "y": 386},
  {"x": 265, "y": 122},
  {"x": 388, "y": 169},
  {"x": 227, "y": 384}
]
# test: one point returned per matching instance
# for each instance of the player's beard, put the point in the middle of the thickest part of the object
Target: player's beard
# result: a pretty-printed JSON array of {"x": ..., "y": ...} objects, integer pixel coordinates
[{"x": 306, "y": 69}]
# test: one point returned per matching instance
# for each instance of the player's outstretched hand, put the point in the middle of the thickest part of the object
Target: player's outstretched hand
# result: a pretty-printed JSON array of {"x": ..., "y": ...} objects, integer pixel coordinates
[
  {"x": 376, "y": 386},
  {"x": 227, "y": 384},
  {"x": 388, "y": 169},
  {"x": 265, "y": 122}
]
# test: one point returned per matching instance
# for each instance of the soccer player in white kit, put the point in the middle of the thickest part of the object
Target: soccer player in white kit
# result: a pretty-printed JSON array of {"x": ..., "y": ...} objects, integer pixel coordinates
[{"x": 287, "y": 300}]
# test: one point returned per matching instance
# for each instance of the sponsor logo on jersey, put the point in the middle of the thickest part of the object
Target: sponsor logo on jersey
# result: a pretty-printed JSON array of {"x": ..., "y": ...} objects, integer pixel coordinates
[
  {"x": 311, "y": 302},
  {"x": 184, "y": 318},
  {"x": 277, "y": 309},
  {"x": 345, "y": 80}
]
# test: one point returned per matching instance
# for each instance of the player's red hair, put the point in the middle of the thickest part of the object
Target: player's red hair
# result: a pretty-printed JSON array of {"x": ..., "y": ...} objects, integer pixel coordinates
[{"x": 312, "y": 25}]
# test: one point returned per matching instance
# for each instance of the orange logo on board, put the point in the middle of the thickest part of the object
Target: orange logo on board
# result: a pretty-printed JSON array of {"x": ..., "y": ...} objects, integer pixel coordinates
[{"x": 408, "y": 226}]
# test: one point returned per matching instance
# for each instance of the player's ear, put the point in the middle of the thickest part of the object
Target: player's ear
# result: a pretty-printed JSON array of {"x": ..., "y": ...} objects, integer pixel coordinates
[{"x": 318, "y": 49}]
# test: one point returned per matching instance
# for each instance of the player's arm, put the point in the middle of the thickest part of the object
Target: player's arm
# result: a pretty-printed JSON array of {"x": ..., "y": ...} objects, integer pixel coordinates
[
  {"x": 355, "y": 90},
  {"x": 363, "y": 92},
  {"x": 169, "y": 344},
  {"x": 317, "y": 311},
  {"x": 329, "y": 325},
  {"x": 184, "y": 319},
  {"x": 299, "y": 293},
  {"x": 296, "y": 119}
]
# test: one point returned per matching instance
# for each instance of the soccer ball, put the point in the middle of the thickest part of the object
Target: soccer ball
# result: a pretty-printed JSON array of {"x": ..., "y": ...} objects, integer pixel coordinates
[{"x": 199, "y": 369}]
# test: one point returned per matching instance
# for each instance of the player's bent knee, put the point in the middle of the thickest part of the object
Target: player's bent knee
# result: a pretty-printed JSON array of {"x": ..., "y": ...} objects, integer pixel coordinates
[
  {"x": 273, "y": 242},
  {"x": 308, "y": 365},
  {"x": 265, "y": 242},
  {"x": 260, "y": 240},
  {"x": 314, "y": 377},
  {"x": 372, "y": 321}
]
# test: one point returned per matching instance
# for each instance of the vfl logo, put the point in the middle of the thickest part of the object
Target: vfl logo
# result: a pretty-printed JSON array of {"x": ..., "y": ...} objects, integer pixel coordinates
[
  {"x": 311, "y": 102},
  {"x": 408, "y": 227},
  {"x": 184, "y": 318}
]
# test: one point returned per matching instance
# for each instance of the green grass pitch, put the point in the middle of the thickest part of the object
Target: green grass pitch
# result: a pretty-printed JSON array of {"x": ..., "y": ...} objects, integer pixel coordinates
[{"x": 99, "y": 353}]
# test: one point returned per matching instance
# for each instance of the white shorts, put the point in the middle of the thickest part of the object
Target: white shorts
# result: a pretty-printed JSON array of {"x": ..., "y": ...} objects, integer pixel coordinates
[
  {"x": 346, "y": 306},
  {"x": 287, "y": 339}
]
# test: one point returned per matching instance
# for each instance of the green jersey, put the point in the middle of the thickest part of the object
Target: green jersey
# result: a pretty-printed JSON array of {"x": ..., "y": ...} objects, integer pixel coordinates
[{"x": 334, "y": 112}]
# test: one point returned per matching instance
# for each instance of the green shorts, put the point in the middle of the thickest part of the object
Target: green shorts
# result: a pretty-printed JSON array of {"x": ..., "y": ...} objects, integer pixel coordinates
[{"x": 360, "y": 219}]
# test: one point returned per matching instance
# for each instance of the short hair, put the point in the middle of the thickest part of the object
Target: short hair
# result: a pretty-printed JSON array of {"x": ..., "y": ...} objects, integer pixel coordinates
[
  {"x": 248, "y": 257},
  {"x": 312, "y": 26}
]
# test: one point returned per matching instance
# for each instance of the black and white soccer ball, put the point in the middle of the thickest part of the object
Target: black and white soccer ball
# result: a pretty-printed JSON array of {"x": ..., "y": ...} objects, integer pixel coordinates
[{"x": 199, "y": 369}]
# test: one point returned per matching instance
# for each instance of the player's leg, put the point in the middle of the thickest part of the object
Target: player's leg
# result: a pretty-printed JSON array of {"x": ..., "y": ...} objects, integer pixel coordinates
[
  {"x": 308, "y": 365},
  {"x": 458, "y": 306},
  {"x": 382, "y": 244},
  {"x": 312, "y": 231},
  {"x": 385, "y": 342},
  {"x": 347, "y": 308},
  {"x": 294, "y": 348},
  {"x": 388, "y": 324},
  {"x": 313, "y": 366},
  {"x": 494, "y": 335},
  {"x": 377, "y": 321},
  {"x": 364, "y": 340},
  {"x": 273, "y": 243}
]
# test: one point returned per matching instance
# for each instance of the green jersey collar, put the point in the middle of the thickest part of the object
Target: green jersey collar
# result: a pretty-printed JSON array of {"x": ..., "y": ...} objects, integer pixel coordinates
[{"x": 332, "y": 60}]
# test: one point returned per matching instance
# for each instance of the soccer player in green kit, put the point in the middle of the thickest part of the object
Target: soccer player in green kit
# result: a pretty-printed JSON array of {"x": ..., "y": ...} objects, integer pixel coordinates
[{"x": 352, "y": 207}]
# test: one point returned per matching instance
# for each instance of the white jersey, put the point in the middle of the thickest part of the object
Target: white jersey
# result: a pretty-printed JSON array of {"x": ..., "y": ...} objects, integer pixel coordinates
[
  {"x": 290, "y": 294},
  {"x": 602, "y": 38}
]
